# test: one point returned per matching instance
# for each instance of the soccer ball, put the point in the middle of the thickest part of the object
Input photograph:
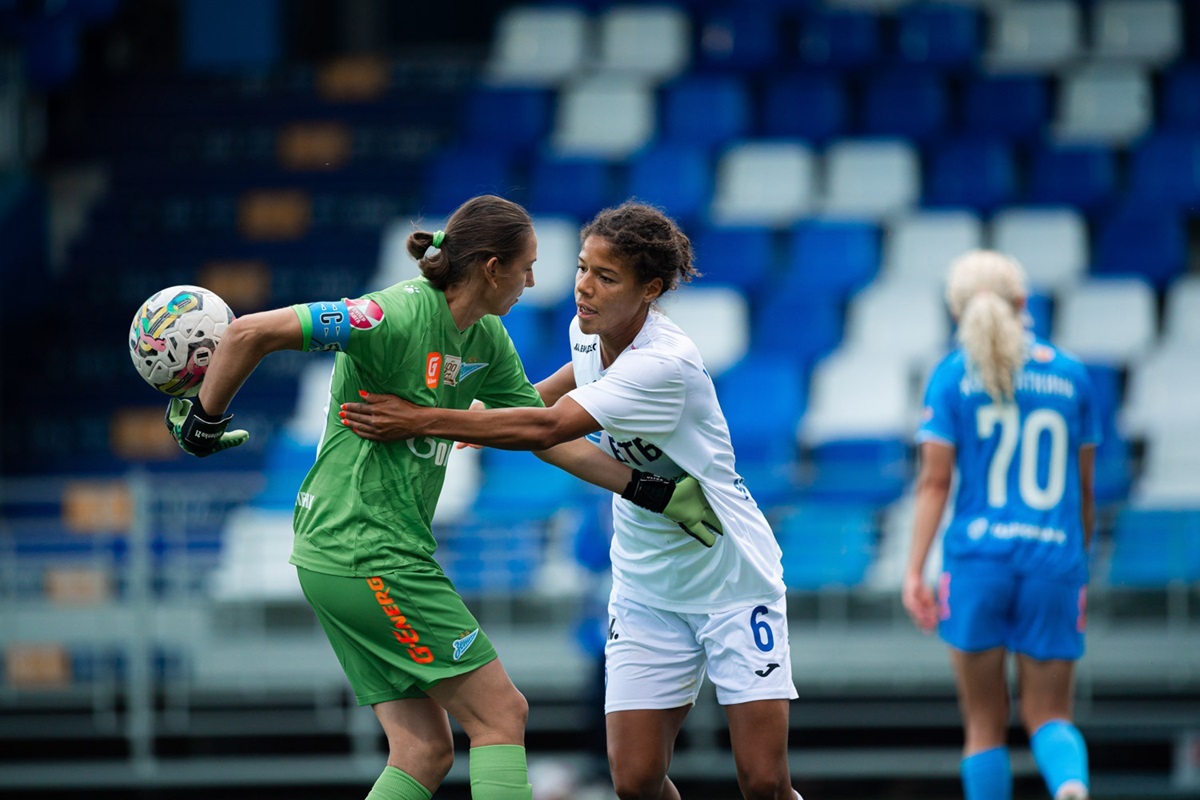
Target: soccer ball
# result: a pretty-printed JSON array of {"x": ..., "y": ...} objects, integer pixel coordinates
[{"x": 173, "y": 336}]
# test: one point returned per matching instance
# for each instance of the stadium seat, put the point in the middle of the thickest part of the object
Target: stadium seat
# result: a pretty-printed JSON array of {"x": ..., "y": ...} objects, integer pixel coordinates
[
  {"x": 1145, "y": 31},
  {"x": 826, "y": 545},
  {"x": 1050, "y": 243},
  {"x": 872, "y": 471},
  {"x": 840, "y": 38},
  {"x": 1040, "y": 308},
  {"x": 1113, "y": 471},
  {"x": 454, "y": 175},
  {"x": 764, "y": 183},
  {"x": 510, "y": 118},
  {"x": 804, "y": 327},
  {"x": 975, "y": 173},
  {"x": 870, "y": 178},
  {"x": 942, "y": 35},
  {"x": 857, "y": 395},
  {"x": 1181, "y": 98},
  {"x": 1163, "y": 390},
  {"x": 572, "y": 186},
  {"x": 1142, "y": 240},
  {"x": 919, "y": 247},
  {"x": 603, "y": 117},
  {"x": 1081, "y": 175},
  {"x": 554, "y": 270},
  {"x": 830, "y": 259},
  {"x": 1034, "y": 35},
  {"x": 705, "y": 110},
  {"x": 807, "y": 105},
  {"x": 901, "y": 320},
  {"x": 492, "y": 556},
  {"x": 1109, "y": 321},
  {"x": 909, "y": 103},
  {"x": 717, "y": 318},
  {"x": 538, "y": 45},
  {"x": 741, "y": 255},
  {"x": 742, "y": 39},
  {"x": 1167, "y": 477},
  {"x": 1104, "y": 102},
  {"x": 1165, "y": 169},
  {"x": 676, "y": 177},
  {"x": 518, "y": 486},
  {"x": 1155, "y": 547},
  {"x": 647, "y": 41},
  {"x": 1013, "y": 106},
  {"x": 762, "y": 396},
  {"x": 1181, "y": 315}
]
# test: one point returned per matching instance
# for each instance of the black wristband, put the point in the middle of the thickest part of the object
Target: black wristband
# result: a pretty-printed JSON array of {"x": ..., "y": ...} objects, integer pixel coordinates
[
  {"x": 649, "y": 491},
  {"x": 198, "y": 410}
]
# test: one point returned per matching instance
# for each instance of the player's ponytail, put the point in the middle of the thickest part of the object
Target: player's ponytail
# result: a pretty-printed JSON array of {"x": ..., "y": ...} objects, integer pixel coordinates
[
  {"x": 479, "y": 229},
  {"x": 986, "y": 294}
]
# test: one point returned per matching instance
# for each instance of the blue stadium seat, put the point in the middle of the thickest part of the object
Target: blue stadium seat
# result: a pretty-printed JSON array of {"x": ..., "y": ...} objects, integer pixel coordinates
[
  {"x": 763, "y": 398},
  {"x": 1155, "y": 547},
  {"x": 805, "y": 326},
  {"x": 806, "y": 105},
  {"x": 676, "y": 177},
  {"x": 1181, "y": 98},
  {"x": 1014, "y": 106},
  {"x": 944, "y": 35},
  {"x": 833, "y": 258},
  {"x": 519, "y": 486},
  {"x": 706, "y": 110},
  {"x": 840, "y": 38},
  {"x": 978, "y": 173},
  {"x": 1078, "y": 175},
  {"x": 491, "y": 556},
  {"x": 1165, "y": 169},
  {"x": 1142, "y": 240},
  {"x": 873, "y": 471},
  {"x": 453, "y": 175},
  {"x": 747, "y": 38},
  {"x": 910, "y": 102},
  {"x": 577, "y": 186},
  {"x": 1041, "y": 309},
  {"x": 538, "y": 346},
  {"x": 740, "y": 255},
  {"x": 509, "y": 118},
  {"x": 826, "y": 545}
]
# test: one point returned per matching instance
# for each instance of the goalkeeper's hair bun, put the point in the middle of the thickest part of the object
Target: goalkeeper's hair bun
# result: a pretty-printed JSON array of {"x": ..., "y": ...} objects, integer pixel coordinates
[{"x": 483, "y": 227}]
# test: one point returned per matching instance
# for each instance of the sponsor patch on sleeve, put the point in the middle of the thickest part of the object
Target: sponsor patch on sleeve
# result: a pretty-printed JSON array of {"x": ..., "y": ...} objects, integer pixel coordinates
[{"x": 364, "y": 314}]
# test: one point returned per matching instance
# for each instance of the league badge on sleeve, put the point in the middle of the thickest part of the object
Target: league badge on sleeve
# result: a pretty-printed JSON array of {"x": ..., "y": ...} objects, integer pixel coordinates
[{"x": 364, "y": 314}]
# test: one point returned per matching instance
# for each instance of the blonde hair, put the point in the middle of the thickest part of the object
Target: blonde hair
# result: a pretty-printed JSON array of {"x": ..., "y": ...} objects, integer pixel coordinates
[{"x": 986, "y": 291}]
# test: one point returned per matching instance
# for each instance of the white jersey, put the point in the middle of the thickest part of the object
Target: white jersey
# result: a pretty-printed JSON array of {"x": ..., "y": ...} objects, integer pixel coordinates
[{"x": 659, "y": 413}]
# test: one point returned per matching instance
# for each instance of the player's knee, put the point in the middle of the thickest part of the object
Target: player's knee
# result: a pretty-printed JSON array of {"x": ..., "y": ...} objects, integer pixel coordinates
[
  {"x": 765, "y": 784},
  {"x": 633, "y": 781},
  {"x": 435, "y": 755}
]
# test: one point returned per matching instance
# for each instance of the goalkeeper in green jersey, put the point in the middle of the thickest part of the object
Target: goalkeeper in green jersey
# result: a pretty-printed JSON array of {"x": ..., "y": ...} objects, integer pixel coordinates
[{"x": 363, "y": 546}]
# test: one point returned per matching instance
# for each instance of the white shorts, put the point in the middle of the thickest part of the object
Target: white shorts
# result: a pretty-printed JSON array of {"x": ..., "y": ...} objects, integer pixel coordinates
[{"x": 656, "y": 659}]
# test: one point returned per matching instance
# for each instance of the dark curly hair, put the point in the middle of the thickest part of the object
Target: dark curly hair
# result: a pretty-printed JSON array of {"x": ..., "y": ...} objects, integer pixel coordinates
[
  {"x": 647, "y": 240},
  {"x": 480, "y": 228}
]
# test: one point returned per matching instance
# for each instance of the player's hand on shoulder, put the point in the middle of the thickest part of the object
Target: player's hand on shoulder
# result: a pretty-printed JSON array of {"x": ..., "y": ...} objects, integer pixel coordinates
[
  {"x": 198, "y": 432},
  {"x": 683, "y": 502}
]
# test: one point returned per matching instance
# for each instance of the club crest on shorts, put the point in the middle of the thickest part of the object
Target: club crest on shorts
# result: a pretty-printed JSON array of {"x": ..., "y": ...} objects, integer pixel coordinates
[{"x": 464, "y": 643}]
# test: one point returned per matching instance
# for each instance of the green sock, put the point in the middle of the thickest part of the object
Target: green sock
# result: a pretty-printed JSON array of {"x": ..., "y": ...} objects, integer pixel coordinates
[
  {"x": 395, "y": 784},
  {"x": 499, "y": 772}
]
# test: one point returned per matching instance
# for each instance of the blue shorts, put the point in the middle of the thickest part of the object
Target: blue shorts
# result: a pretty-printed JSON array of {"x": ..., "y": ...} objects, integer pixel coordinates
[{"x": 985, "y": 604}]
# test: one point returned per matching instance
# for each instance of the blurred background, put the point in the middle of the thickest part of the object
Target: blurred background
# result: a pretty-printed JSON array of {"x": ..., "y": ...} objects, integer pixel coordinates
[{"x": 828, "y": 159}]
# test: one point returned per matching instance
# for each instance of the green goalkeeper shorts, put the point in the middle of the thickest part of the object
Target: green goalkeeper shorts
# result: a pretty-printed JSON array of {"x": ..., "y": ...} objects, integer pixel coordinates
[{"x": 396, "y": 634}]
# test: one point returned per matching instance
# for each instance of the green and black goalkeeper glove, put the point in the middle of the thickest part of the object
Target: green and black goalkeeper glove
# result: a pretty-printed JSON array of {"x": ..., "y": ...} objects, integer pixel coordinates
[
  {"x": 199, "y": 433},
  {"x": 682, "y": 502}
]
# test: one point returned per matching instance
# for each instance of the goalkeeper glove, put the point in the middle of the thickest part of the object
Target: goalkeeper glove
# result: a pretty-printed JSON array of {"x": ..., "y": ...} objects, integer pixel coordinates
[
  {"x": 682, "y": 502},
  {"x": 199, "y": 433}
]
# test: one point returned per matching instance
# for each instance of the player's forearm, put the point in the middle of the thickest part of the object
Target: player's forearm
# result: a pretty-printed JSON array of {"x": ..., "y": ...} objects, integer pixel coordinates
[
  {"x": 586, "y": 462},
  {"x": 246, "y": 342},
  {"x": 927, "y": 516},
  {"x": 504, "y": 428}
]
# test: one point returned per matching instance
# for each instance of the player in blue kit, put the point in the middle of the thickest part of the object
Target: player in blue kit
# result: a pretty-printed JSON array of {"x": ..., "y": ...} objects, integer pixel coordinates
[{"x": 1015, "y": 415}]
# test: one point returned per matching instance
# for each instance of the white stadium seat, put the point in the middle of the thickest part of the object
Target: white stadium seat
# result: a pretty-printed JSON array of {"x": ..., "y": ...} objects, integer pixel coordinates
[
  {"x": 871, "y": 178},
  {"x": 919, "y": 247},
  {"x": 1050, "y": 243},
  {"x": 539, "y": 46},
  {"x": 1107, "y": 320},
  {"x": 1105, "y": 103},
  {"x": 1148, "y": 31},
  {"x": 717, "y": 318},
  {"x": 903, "y": 321},
  {"x": 1034, "y": 35},
  {"x": 857, "y": 396},
  {"x": 650, "y": 41},
  {"x": 603, "y": 116},
  {"x": 764, "y": 183}
]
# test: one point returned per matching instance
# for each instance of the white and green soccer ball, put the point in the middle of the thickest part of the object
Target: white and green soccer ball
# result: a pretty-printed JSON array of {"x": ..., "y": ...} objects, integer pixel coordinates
[{"x": 173, "y": 336}]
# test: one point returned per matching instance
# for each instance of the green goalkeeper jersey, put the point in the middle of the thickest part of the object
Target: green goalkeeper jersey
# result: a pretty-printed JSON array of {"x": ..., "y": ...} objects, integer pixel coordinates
[{"x": 366, "y": 507}]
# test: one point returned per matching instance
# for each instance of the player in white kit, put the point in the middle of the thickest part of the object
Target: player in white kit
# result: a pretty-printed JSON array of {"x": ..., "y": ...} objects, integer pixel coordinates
[{"x": 681, "y": 605}]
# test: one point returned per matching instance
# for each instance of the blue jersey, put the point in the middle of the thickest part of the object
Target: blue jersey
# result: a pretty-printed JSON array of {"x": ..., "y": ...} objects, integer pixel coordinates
[{"x": 1018, "y": 493}]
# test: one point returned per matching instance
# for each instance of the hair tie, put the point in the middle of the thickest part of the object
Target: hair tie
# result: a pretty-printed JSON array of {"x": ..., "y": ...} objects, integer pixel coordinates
[{"x": 438, "y": 238}]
